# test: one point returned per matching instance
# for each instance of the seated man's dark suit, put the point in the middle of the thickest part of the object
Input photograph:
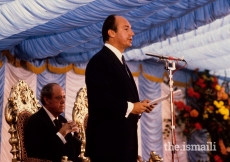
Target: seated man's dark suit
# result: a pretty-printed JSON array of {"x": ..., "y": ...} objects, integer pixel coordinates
[{"x": 41, "y": 140}]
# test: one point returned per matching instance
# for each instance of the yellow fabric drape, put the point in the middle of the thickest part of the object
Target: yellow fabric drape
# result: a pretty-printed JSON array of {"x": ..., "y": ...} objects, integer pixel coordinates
[
  {"x": 156, "y": 79},
  {"x": 34, "y": 69},
  {"x": 181, "y": 84},
  {"x": 82, "y": 71},
  {"x": 135, "y": 74},
  {"x": 78, "y": 70},
  {"x": 152, "y": 78},
  {"x": 11, "y": 59},
  {"x": 60, "y": 70}
]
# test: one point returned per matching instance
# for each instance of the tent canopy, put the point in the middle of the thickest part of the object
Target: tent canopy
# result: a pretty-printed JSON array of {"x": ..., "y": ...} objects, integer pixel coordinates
[{"x": 69, "y": 31}]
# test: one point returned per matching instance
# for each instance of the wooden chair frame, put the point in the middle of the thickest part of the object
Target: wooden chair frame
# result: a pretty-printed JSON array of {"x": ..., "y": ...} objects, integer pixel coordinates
[
  {"x": 80, "y": 116},
  {"x": 20, "y": 106}
]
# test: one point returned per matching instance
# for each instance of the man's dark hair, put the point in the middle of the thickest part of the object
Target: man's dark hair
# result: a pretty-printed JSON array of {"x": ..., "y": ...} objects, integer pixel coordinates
[
  {"x": 109, "y": 23},
  {"x": 47, "y": 92}
]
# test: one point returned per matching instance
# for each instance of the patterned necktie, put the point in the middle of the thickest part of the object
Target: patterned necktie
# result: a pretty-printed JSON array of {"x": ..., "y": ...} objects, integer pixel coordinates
[
  {"x": 57, "y": 124},
  {"x": 124, "y": 64}
]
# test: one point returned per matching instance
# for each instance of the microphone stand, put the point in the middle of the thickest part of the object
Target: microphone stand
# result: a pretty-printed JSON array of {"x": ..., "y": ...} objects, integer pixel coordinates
[{"x": 170, "y": 66}]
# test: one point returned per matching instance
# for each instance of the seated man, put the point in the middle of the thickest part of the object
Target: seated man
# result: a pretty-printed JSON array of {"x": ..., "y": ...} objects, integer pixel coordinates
[{"x": 46, "y": 139}]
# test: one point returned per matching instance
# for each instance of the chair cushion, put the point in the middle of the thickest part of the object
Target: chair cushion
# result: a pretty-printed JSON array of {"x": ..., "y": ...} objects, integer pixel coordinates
[{"x": 22, "y": 120}]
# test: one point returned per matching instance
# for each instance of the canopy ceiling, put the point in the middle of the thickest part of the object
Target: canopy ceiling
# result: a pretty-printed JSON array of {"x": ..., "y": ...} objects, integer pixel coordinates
[{"x": 69, "y": 31}]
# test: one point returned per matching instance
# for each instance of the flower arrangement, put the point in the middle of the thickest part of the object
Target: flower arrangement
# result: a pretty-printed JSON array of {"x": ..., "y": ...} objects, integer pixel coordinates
[{"x": 207, "y": 107}]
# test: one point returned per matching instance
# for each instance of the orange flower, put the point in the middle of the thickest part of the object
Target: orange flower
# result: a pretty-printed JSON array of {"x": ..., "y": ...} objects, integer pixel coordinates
[
  {"x": 224, "y": 96},
  {"x": 223, "y": 149},
  {"x": 186, "y": 115},
  {"x": 211, "y": 108},
  {"x": 194, "y": 113},
  {"x": 221, "y": 94}
]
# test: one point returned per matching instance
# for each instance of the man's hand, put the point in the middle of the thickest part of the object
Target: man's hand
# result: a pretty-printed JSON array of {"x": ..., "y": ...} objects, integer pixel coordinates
[
  {"x": 150, "y": 107},
  {"x": 68, "y": 127},
  {"x": 143, "y": 106}
]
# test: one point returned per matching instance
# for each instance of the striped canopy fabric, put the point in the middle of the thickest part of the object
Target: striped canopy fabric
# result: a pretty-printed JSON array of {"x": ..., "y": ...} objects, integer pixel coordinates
[
  {"x": 43, "y": 41},
  {"x": 69, "y": 31}
]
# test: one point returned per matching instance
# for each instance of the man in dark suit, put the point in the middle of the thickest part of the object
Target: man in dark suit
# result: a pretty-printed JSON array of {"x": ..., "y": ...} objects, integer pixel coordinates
[
  {"x": 47, "y": 138},
  {"x": 113, "y": 101}
]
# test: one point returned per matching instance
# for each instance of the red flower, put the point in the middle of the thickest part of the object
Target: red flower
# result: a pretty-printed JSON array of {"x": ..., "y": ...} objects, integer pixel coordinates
[
  {"x": 214, "y": 85},
  {"x": 201, "y": 83},
  {"x": 180, "y": 105},
  {"x": 196, "y": 95},
  {"x": 187, "y": 108},
  {"x": 215, "y": 82},
  {"x": 217, "y": 158},
  {"x": 213, "y": 124},
  {"x": 219, "y": 129},
  {"x": 200, "y": 114},
  {"x": 198, "y": 126},
  {"x": 185, "y": 130},
  {"x": 192, "y": 93}
]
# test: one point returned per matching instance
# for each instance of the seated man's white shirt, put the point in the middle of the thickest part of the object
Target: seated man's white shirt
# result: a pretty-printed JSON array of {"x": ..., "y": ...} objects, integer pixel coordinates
[{"x": 52, "y": 119}]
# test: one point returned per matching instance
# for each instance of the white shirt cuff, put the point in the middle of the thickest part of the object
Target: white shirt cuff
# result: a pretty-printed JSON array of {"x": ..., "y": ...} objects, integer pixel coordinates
[
  {"x": 129, "y": 109},
  {"x": 61, "y": 137}
]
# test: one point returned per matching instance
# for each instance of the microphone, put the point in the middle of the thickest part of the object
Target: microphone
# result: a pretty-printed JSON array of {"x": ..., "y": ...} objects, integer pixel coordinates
[{"x": 161, "y": 57}]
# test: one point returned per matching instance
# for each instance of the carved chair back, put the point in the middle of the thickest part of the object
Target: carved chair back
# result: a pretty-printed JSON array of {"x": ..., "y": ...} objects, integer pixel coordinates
[
  {"x": 80, "y": 116},
  {"x": 20, "y": 106}
]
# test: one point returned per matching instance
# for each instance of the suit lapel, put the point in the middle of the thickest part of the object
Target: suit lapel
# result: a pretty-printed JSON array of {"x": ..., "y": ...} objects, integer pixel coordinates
[
  {"x": 134, "y": 85},
  {"x": 46, "y": 119},
  {"x": 129, "y": 80}
]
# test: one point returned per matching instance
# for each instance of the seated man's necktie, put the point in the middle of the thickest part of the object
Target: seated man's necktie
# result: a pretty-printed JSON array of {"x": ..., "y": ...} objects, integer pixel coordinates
[
  {"x": 124, "y": 64},
  {"x": 57, "y": 124}
]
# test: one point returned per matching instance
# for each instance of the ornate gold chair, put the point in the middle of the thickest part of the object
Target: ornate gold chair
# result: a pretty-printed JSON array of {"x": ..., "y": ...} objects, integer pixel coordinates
[
  {"x": 155, "y": 157},
  {"x": 80, "y": 116},
  {"x": 20, "y": 106}
]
